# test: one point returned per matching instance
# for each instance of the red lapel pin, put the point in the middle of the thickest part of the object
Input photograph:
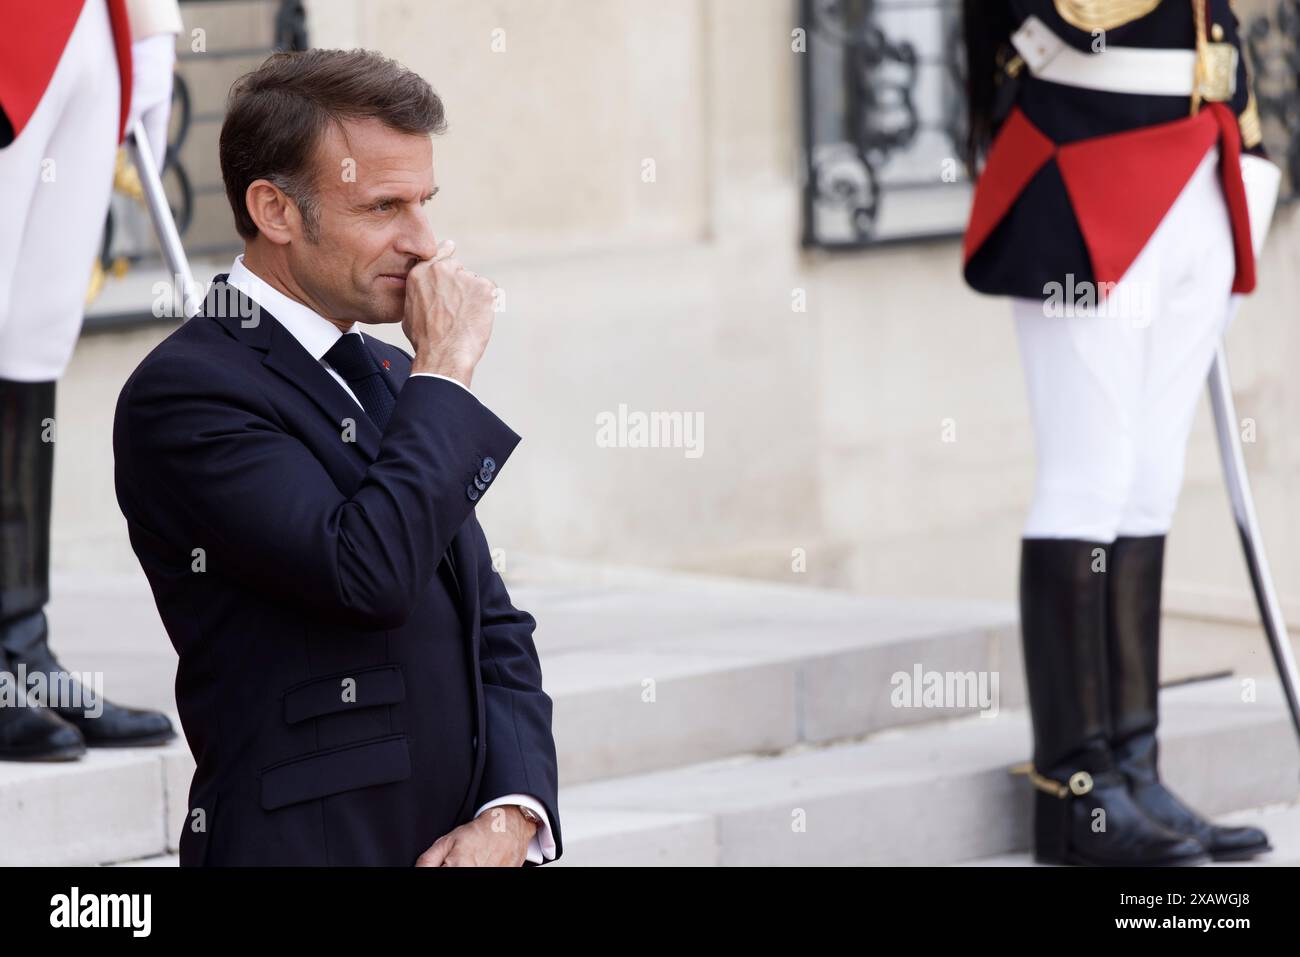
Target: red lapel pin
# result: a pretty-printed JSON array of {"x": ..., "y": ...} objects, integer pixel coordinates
[{"x": 387, "y": 363}]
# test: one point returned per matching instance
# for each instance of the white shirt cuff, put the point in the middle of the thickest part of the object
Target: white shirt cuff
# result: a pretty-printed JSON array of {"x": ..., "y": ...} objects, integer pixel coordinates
[
  {"x": 542, "y": 846},
  {"x": 447, "y": 377}
]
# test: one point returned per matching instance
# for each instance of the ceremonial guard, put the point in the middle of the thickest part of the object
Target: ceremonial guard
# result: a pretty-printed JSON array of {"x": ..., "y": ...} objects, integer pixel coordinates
[
  {"x": 1111, "y": 209},
  {"x": 66, "y": 79}
]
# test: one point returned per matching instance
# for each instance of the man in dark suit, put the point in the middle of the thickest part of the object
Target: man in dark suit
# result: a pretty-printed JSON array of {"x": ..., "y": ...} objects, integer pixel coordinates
[{"x": 354, "y": 682}]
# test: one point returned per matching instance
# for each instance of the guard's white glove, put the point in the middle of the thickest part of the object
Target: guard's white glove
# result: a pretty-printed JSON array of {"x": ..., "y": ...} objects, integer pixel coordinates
[{"x": 153, "y": 60}]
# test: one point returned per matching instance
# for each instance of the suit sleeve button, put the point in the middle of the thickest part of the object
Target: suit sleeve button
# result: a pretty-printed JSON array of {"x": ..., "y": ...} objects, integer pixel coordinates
[
  {"x": 472, "y": 492},
  {"x": 490, "y": 464}
]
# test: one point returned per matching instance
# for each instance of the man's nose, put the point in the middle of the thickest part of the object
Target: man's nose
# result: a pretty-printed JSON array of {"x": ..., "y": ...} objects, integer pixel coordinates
[{"x": 417, "y": 239}]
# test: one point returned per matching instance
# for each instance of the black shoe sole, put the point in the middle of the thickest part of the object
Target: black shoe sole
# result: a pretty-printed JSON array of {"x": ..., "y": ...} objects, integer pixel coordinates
[
  {"x": 150, "y": 742},
  {"x": 1242, "y": 854},
  {"x": 62, "y": 754},
  {"x": 1074, "y": 860}
]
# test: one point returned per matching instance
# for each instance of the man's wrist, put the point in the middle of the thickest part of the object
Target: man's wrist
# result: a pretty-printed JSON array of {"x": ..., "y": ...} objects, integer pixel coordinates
[
  {"x": 451, "y": 368},
  {"x": 525, "y": 818},
  {"x": 529, "y": 815}
]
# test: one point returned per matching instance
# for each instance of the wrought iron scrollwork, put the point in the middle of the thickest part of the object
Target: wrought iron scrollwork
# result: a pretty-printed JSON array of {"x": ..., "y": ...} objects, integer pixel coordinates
[{"x": 878, "y": 88}]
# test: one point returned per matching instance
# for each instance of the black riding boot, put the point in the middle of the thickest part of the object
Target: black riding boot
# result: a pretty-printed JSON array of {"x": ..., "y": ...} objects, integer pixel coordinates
[
  {"x": 1083, "y": 812},
  {"x": 1133, "y": 636},
  {"x": 27, "y": 733},
  {"x": 26, "y": 482}
]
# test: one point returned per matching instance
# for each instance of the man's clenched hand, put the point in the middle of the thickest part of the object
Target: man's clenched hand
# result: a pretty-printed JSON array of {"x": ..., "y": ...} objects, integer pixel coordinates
[
  {"x": 448, "y": 317},
  {"x": 499, "y": 837}
]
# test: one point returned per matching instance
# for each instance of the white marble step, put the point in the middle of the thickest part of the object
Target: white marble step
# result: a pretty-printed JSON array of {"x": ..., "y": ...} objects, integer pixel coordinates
[
  {"x": 648, "y": 671},
  {"x": 931, "y": 794},
  {"x": 652, "y": 670},
  {"x": 938, "y": 794}
]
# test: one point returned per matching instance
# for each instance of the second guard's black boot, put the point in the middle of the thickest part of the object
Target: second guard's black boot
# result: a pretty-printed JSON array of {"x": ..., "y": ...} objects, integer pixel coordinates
[
  {"x": 26, "y": 483},
  {"x": 1083, "y": 811},
  {"x": 1133, "y": 635}
]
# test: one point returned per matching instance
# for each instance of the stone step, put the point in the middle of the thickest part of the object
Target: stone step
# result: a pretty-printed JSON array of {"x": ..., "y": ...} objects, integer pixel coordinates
[
  {"x": 161, "y": 860},
  {"x": 611, "y": 839},
  {"x": 930, "y": 794},
  {"x": 681, "y": 683},
  {"x": 110, "y": 805},
  {"x": 648, "y": 671},
  {"x": 934, "y": 794},
  {"x": 651, "y": 671},
  {"x": 651, "y": 679}
]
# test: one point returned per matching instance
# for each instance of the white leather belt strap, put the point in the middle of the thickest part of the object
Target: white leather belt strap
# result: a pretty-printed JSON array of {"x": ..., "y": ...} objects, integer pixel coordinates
[{"x": 1114, "y": 70}]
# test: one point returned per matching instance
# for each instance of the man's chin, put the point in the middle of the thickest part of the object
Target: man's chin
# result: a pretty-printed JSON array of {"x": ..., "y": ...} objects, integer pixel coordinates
[
  {"x": 383, "y": 318},
  {"x": 383, "y": 308}
]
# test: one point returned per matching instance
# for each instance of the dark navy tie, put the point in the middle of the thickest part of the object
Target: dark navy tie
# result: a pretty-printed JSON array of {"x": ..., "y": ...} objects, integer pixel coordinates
[{"x": 351, "y": 359}]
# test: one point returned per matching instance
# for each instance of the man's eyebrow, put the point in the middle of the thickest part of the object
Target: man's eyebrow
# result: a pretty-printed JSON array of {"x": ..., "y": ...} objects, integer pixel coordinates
[{"x": 375, "y": 200}]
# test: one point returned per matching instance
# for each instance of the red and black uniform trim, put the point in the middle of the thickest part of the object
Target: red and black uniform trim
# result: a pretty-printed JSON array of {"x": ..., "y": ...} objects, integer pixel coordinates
[
  {"x": 1077, "y": 180},
  {"x": 31, "y": 45}
]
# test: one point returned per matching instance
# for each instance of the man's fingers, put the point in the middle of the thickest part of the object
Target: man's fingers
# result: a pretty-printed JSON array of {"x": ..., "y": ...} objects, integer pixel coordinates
[
  {"x": 435, "y": 855},
  {"x": 445, "y": 250}
]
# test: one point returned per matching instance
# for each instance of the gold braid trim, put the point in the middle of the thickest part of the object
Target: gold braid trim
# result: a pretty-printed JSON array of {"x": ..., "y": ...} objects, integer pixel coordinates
[
  {"x": 1103, "y": 14},
  {"x": 1251, "y": 132}
]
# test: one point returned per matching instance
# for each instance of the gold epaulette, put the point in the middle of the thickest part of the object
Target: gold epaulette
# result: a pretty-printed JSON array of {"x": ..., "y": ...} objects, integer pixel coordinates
[{"x": 1103, "y": 14}]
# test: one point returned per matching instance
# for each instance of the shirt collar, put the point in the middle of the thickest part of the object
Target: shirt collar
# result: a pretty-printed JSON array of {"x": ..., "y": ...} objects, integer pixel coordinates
[{"x": 313, "y": 331}]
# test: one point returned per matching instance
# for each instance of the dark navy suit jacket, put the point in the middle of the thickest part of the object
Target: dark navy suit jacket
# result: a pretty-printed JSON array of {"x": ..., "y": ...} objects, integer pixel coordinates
[{"x": 353, "y": 679}]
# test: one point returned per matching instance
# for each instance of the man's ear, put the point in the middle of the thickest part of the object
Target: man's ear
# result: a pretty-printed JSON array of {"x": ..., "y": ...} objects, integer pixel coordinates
[{"x": 275, "y": 214}]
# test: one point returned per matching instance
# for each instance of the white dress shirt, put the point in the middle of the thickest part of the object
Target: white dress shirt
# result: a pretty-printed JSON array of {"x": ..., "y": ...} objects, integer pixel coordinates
[{"x": 317, "y": 335}]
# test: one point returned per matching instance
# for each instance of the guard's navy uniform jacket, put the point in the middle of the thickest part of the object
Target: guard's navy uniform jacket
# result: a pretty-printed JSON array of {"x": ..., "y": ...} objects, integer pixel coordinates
[{"x": 1028, "y": 226}]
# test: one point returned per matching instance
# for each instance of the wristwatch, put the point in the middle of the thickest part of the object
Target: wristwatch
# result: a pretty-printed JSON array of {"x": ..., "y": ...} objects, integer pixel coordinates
[{"x": 530, "y": 815}]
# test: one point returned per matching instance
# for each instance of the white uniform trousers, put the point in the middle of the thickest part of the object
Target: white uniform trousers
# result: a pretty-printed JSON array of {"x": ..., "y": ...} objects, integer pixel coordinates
[
  {"x": 1113, "y": 392},
  {"x": 55, "y": 182}
]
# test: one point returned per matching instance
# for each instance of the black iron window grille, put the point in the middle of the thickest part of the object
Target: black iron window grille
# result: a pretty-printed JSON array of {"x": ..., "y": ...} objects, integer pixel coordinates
[{"x": 883, "y": 112}]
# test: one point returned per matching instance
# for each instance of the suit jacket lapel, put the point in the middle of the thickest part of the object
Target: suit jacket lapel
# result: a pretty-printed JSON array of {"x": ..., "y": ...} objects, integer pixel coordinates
[
  {"x": 288, "y": 358},
  {"x": 285, "y": 356}
]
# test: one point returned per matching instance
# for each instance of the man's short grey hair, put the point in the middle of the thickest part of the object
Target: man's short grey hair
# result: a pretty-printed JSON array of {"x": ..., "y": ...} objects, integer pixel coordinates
[{"x": 277, "y": 115}]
